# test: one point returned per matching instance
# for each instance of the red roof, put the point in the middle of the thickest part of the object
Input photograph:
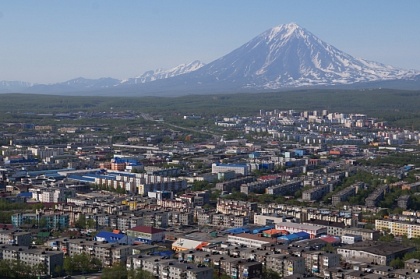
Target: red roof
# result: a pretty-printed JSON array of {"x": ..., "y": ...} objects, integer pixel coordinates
[
  {"x": 146, "y": 229},
  {"x": 330, "y": 239}
]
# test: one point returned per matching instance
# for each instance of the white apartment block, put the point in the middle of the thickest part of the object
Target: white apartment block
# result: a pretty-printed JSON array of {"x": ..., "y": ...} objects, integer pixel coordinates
[
  {"x": 266, "y": 219},
  {"x": 238, "y": 169},
  {"x": 51, "y": 195}
]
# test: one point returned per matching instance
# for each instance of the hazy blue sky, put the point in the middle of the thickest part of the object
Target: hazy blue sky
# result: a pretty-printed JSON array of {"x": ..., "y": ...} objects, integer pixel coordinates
[{"x": 51, "y": 40}]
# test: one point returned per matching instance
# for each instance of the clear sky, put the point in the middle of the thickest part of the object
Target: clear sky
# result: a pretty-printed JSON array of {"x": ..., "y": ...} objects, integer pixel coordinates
[{"x": 55, "y": 40}]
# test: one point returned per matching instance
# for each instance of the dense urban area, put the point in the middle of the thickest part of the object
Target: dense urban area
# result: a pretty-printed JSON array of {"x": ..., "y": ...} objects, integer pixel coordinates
[{"x": 275, "y": 194}]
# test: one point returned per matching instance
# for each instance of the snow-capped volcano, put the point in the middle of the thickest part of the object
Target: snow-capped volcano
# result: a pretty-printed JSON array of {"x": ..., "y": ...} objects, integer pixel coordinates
[
  {"x": 283, "y": 57},
  {"x": 290, "y": 56},
  {"x": 162, "y": 73}
]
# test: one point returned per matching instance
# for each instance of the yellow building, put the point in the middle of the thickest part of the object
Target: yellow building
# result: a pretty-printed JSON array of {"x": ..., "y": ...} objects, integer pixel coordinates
[{"x": 398, "y": 228}]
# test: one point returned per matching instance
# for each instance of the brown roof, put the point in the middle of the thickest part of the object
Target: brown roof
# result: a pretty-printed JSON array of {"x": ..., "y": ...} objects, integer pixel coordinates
[{"x": 146, "y": 229}]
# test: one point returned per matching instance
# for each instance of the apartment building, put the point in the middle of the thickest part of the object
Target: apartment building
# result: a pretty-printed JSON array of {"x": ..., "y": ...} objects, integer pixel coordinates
[
  {"x": 284, "y": 189},
  {"x": 49, "y": 260},
  {"x": 51, "y": 195},
  {"x": 374, "y": 198},
  {"x": 318, "y": 263},
  {"x": 234, "y": 184},
  {"x": 237, "y": 168},
  {"x": 204, "y": 218},
  {"x": 411, "y": 230},
  {"x": 56, "y": 220},
  {"x": 107, "y": 253},
  {"x": 343, "y": 195},
  {"x": 403, "y": 201},
  {"x": 46, "y": 152},
  {"x": 18, "y": 219},
  {"x": 316, "y": 193},
  {"x": 228, "y": 221},
  {"x": 152, "y": 264},
  {"x": 257, "y": 186},
  {"x": 15, "y": 237},
  {"x": 169, "y": 268},
  {"x": 48, "y": 220},
  {"x": 241, "y": 269},
  {"x": 236, "y": 207},
  {"x": 177, "y": 270},
  {"x": 265, "y": 219},
  {"x": 285, "y": 265},
  {"x": 177, "y": 218}
]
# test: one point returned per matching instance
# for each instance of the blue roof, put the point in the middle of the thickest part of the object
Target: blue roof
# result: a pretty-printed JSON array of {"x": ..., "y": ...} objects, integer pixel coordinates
[
  {"x": 81, "y": 178},
  {"x": 127, "y": 160},
  {"x": 295, "y": 236},
  {"x": 25, "y": 194},
  {"x": 261, "y": 229},
  {"x": 48, "y": 172},
  {"x": 109, "y": 236},
  {"x": 238, "y": 230},
  {"x": 167, "y": 253}
]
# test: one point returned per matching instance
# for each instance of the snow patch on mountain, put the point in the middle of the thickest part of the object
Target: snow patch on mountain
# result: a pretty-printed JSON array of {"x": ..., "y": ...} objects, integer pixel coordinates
[
  {"x": 163, "y": 73},
  {"x": 14, "y": 86}
]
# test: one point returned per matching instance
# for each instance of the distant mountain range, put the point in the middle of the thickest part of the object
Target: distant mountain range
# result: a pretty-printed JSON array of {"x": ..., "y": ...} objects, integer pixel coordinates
[{"x": 282, "y": 58}]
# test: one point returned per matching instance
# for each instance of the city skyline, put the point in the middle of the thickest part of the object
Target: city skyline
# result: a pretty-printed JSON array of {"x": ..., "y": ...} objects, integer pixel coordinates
[{"x": 54, "y": 41}]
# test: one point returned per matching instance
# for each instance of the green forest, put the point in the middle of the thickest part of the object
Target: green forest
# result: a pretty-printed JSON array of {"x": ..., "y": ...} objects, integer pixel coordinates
[{"x": 398, "y": 107}]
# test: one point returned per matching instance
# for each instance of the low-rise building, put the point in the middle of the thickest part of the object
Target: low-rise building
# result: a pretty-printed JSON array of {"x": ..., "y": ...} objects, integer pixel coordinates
[
  {"x": 146, "y": 234},
  {"x": 381, "y": 253},
  {"x": 250, "y": 240},
  {"x": 312, "y": 230}
]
